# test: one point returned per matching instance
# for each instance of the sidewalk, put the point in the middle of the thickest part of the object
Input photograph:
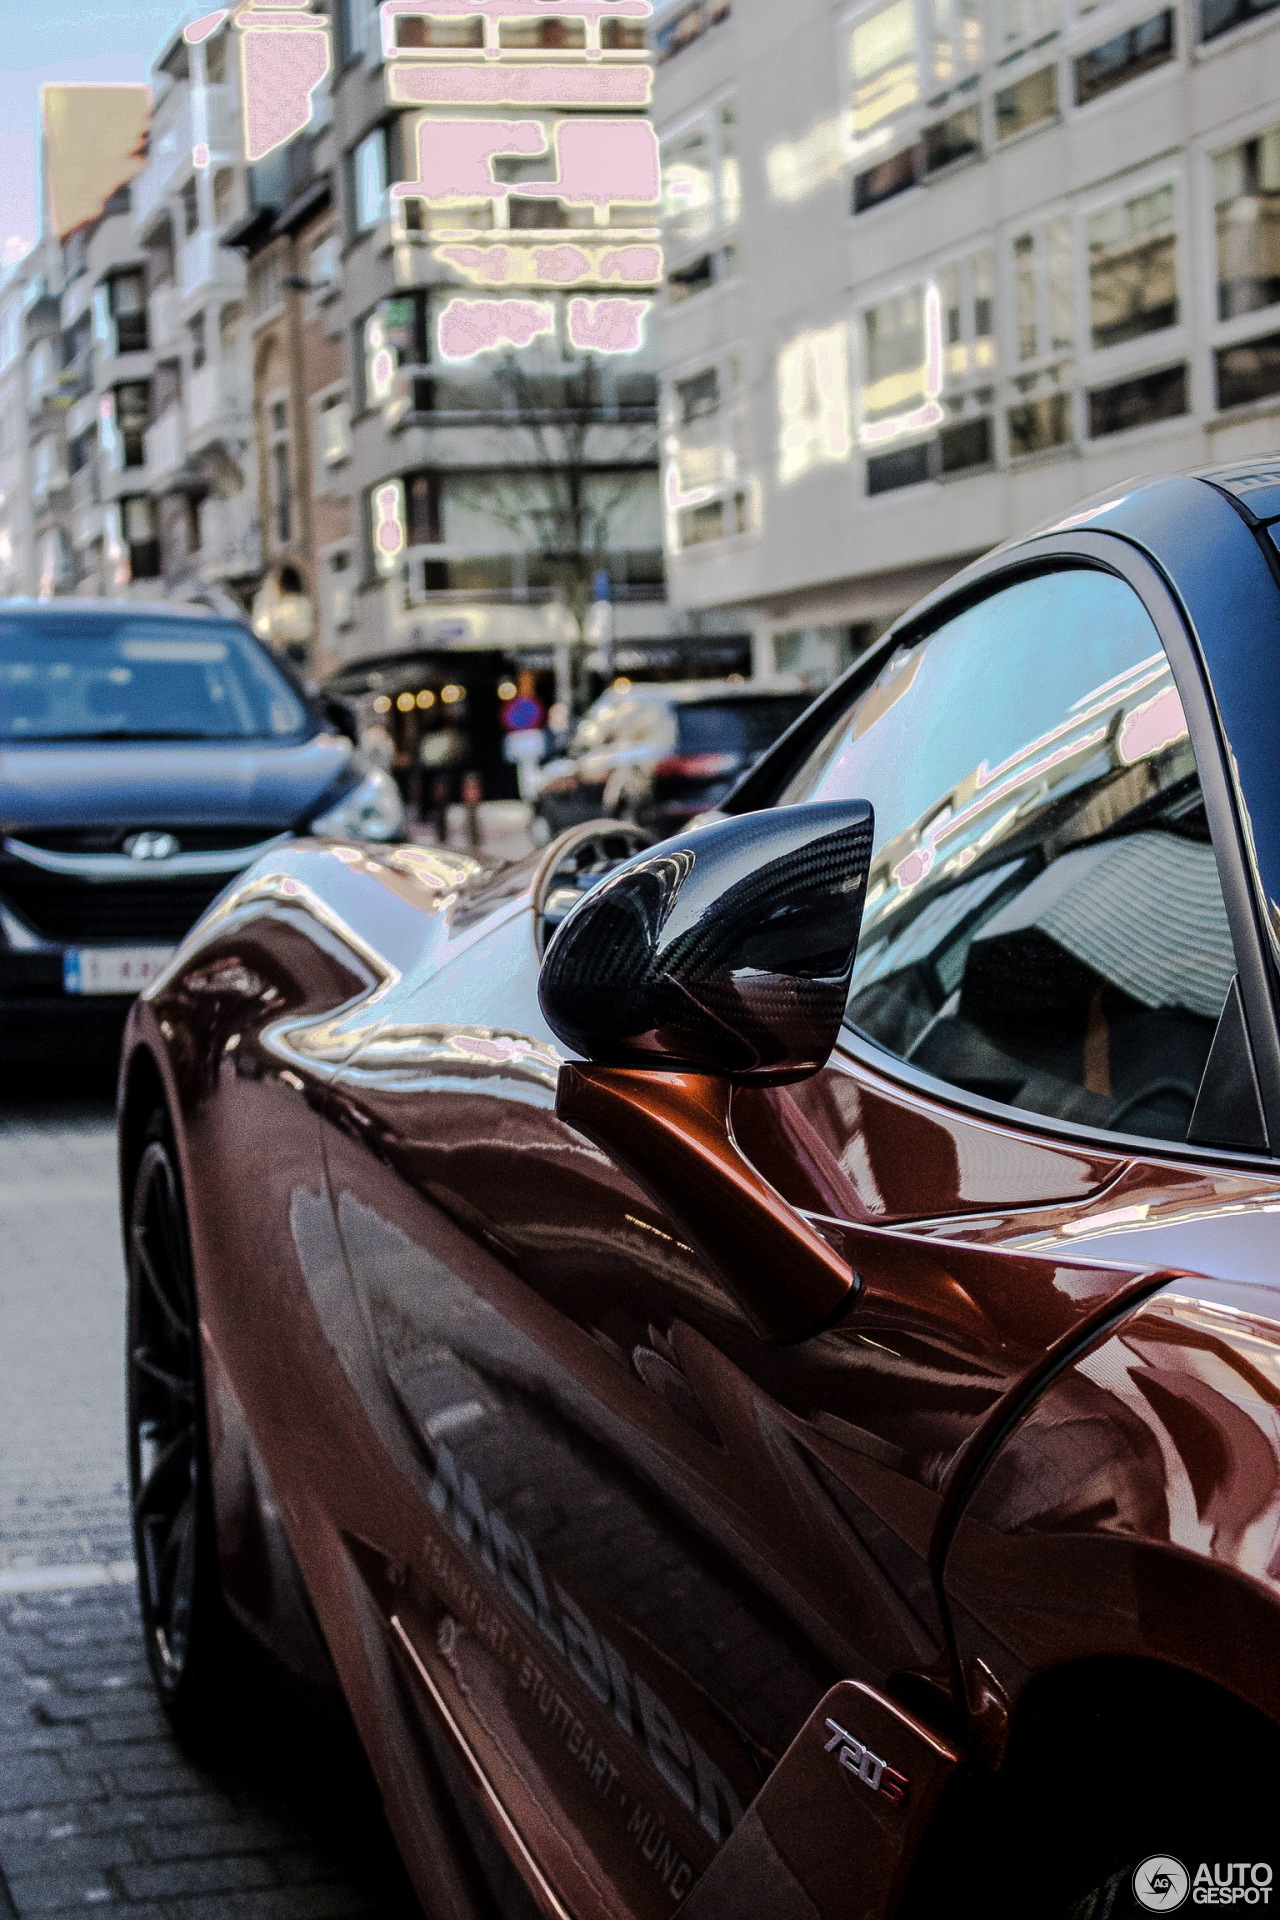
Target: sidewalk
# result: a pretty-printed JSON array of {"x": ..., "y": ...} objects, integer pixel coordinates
[{"x": 504, "y": 830}]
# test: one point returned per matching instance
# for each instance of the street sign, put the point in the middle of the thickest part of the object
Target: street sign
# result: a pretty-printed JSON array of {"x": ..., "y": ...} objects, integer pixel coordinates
[{"x": 522, "y": 713}]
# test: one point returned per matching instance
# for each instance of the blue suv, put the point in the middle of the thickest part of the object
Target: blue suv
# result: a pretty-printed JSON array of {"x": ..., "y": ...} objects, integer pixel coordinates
[{"x": 147, "y": 755}]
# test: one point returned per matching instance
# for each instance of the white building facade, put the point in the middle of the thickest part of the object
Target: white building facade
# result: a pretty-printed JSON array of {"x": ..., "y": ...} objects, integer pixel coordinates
[{"x": 938, "y": 269}]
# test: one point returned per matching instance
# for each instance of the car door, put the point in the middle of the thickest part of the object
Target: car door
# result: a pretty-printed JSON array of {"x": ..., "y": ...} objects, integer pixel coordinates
[{"x": 656, "y": 1532}]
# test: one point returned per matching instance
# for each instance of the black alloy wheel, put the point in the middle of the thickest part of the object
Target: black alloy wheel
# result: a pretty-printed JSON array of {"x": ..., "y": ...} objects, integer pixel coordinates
[{"x": 189, "y": 1636}]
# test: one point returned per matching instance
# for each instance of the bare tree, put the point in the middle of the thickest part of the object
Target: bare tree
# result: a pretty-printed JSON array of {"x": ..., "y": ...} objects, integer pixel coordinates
[{"x": 570, "y": 474}]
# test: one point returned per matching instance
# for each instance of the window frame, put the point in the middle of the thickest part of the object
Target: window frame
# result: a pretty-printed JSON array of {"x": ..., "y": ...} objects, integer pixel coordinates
[
  {"x": 1164, "y": 346},
  {"x": 719, "y": 242},
  {"x": 739, "y": 481},
  {"x": 1107, "y": 553},
  {"x": 1242, "y": 329}
]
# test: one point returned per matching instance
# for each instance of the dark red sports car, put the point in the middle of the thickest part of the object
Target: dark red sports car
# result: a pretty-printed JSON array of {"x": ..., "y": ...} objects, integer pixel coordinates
[{"x": 755, "y": 1361}]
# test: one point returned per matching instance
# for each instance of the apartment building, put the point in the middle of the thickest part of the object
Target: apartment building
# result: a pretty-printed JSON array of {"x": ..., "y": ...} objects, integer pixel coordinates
[
  {"x": 290, "y": 239},
  {"x": 489, "y": 484},
  {"x": 20, "y": 287},
  {"x": 938, "y": 269},
  {"x": 191, "y": 473}
]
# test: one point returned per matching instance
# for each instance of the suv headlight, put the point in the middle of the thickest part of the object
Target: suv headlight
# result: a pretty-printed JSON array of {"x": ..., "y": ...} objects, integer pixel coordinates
[{"x": 372, "y": 810}]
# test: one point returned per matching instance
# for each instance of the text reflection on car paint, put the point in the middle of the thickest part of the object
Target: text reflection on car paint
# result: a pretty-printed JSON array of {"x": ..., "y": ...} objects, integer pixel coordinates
[{"x": 636, "y": 1707}]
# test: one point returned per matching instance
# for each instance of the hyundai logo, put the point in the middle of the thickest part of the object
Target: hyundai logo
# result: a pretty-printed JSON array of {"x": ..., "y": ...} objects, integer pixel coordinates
[{"x": 151, "y": 846}]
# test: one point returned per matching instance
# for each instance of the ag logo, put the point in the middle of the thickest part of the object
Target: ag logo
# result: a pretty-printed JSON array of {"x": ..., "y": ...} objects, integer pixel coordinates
[{"x": 1161, "y": 1883}]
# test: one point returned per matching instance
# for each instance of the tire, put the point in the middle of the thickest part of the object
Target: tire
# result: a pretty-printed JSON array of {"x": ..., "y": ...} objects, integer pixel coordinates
[{"x": 198, "y": 1656}]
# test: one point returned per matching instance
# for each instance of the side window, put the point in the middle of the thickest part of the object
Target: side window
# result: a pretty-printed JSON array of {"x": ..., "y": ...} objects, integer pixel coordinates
[{"x": 1044, "y": 923}]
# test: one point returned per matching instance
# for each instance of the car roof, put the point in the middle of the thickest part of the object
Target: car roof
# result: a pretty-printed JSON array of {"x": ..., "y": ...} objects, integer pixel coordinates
[
  {"x": 1254, "y": 485},
  {"x": 689, "y": 692},
  {"x": 148, "y": 609}
]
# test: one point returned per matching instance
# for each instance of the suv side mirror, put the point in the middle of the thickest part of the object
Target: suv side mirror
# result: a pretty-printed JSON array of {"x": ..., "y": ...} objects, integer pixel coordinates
[{"x": 725, "y": 950}]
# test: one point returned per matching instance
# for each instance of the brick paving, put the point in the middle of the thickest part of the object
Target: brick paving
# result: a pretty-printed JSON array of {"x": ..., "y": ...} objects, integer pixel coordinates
[{"x": 100, "y": 1810}]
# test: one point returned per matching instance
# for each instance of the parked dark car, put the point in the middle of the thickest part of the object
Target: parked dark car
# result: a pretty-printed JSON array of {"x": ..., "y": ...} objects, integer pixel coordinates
[
  {"x": 147, "y": 755},
  {"x": 659, "y": 754},
  {"x": 767, "y": 1401}
]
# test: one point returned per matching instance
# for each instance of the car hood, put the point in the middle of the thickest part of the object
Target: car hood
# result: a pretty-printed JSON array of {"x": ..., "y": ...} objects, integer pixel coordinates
[{"x": 168, "y": 783}]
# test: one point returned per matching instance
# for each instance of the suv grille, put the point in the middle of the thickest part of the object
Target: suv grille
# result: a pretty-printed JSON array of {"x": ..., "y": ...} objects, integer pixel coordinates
[
  {"x": 128, "y": 913},
  {"x": 112, "y": 839}
]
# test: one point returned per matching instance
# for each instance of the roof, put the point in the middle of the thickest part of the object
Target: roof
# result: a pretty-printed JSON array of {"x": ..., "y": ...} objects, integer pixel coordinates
[
  {"x": 149, "y": 609},
  {"x": 1254, "y": 485},
  {"x": 685, "y": 692}
]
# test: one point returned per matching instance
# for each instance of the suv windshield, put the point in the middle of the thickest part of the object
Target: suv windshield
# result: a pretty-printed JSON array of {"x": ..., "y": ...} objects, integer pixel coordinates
[
  {"x": 744, "y": 727},
  {"x": 104, "y": 678}
]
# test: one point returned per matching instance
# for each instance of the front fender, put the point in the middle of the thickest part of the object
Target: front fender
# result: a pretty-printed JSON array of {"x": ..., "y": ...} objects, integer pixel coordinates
[{"x": 1134, "y": 1511}]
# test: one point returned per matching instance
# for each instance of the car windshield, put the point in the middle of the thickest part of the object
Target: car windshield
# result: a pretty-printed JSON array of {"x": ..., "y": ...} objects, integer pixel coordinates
[
  {"x": 96, "y": 678},
  {"x": 745, "y": 727}
]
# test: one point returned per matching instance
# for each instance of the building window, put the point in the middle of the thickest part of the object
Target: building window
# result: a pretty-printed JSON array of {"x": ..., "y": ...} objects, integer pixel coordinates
[
  {"x": 422, "y": 509},
  {"x": 215, "y": 59},
  {"x": 279, "y": 470},
  {"x": 885, "y": 72},
  {"x": 1246, "y": 196},
  {"x": 361, "y": 29},
  {"x": 708, "y": 495},
  {"x": 224, "y": 194},
  {"x": 266, "y": 286},
  {"x": 138, "y": 524},
  {"x": 133, "y": 415},
  {"x": 1042, "y": 291},
  {"x": 887, "y": 178},
  {"x": 904, "y": 467},
  {"x": 369, "y": 180},
  {"x": 678, "y": 30},
  {"x": 127, "y": 296},
  {"x": 1133, "y": 268},
  {"x": 1018, "y": 23},
  {"x": 1039, "y": 415},
  {"x": 814, "y": 425},
  {"x": 1029, "y": 102},
  {"x": 1250, "y": 371},
  {"x": 190, "y": 208},
  {"x": 701, "y": 177},
  {"x": 324, "y": 267},
  {"x": 1219, "y": 16},
  {"x": 1137, "y": 403},
  {"x": 333, "y": 434},
  {"x": 195, "y": 332},
  {"x": 1124, "y": 57},
  {"x": 956, "y": 138},
  {"x": 966, "y": 292},
  {"x": 1039, "y": 424},
  {"x": 902, "y": 365}
]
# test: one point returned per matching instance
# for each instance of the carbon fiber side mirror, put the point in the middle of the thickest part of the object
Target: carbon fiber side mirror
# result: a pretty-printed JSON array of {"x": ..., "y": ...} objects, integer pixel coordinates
[{"x": 725, "y": 950}]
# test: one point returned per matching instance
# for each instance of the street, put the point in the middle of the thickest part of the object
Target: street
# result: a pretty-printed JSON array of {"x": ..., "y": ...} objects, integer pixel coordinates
[{"x": 99, "y": 1807}]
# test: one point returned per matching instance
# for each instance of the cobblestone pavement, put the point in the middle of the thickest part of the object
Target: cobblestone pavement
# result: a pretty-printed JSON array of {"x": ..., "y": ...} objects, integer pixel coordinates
[{"x": 100, "y": 1810}]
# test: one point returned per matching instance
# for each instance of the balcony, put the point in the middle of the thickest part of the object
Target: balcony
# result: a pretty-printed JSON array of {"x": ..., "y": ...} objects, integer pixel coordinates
[
  {"x": 214, "y": 410},
  {"x": 163, "y": 312},
  {"x": 84, "y": 489},
  {"x": 230, "y": 542},
  {"x": 222, "y": 123},
  {"x": 171, "y": 144},
  {"x": 166, "y": 446},
  {"x": 195, "y": 262}
]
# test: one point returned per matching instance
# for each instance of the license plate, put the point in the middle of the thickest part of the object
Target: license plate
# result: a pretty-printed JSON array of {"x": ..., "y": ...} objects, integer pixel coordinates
[{"x": 112, "y": 969}]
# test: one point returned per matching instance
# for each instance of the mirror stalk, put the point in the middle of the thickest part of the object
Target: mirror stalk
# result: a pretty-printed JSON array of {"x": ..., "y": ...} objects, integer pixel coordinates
[{"x": 672, "y": 1133}]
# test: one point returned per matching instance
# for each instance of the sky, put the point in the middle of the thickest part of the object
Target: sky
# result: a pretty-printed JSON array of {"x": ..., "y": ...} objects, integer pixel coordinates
[{"x": 45, "y": 40}]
